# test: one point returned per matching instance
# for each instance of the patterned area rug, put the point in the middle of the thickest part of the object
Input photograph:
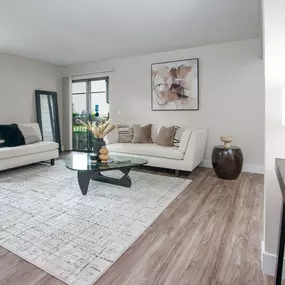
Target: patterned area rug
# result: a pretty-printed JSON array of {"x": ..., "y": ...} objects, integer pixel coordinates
[{"x": 46, "y": 220}]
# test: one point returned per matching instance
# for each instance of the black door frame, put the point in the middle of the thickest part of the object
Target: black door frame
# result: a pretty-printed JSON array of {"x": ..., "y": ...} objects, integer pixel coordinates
[{"x": 88, "y": 106}]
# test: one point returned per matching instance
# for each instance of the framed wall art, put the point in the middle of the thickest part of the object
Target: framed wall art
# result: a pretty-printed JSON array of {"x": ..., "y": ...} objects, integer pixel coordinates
[{"x": 175, "y": 85}]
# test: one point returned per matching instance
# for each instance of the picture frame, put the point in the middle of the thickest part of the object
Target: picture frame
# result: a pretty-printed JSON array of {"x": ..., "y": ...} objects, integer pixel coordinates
[{"x": 175, "y": 85}]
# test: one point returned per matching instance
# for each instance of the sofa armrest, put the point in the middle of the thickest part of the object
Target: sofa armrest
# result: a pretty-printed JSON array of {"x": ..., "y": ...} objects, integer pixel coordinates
[
  {"x": 196, "y": 147},
  {"x": 185, "y": 140}
]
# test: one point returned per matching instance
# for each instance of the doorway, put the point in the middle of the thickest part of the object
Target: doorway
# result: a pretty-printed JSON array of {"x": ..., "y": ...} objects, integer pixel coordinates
[{"x": 90, "y": 102}]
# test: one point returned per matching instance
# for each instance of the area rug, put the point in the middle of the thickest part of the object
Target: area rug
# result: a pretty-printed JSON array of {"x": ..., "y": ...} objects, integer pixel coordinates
[{"x": 46, "y": 220}]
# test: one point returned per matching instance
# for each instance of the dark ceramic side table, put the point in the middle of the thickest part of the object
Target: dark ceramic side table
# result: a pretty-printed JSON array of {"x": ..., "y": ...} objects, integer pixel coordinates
[{"x": 227, "y": 162}]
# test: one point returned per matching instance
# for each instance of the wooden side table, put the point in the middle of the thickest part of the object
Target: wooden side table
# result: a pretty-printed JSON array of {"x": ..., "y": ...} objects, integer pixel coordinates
[{"x": 227, "y": 162}]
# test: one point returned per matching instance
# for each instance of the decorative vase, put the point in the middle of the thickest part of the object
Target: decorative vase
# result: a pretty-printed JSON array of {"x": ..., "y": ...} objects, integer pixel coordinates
[
  {"x": 226, "y": 140},
  {"x": 93, "y": 158},
  {"x": 103, "y": 154},
  {"x": 98, "y": 143}
]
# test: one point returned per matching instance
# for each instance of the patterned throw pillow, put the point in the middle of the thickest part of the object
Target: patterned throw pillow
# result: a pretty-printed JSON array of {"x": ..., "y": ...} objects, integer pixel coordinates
[
  {"x": 125, "y": 133},
  {"x": 177, "y": 136}
]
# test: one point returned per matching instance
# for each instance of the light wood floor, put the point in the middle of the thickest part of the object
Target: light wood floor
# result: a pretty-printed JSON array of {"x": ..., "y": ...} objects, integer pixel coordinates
[{"x": 210, "y": 235}]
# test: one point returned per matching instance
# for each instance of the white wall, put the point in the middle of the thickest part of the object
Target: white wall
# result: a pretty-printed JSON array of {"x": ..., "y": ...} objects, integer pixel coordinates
[
  {"x": 67, "y": 113},
  {"x": 19, "y": 78},
  {"x": 231, "y": 93},
  {"x": 274, "y": 55}
]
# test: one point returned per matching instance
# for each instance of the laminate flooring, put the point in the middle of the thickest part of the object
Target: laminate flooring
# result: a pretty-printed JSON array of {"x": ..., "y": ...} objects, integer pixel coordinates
[{"x": 210, "y": 235}]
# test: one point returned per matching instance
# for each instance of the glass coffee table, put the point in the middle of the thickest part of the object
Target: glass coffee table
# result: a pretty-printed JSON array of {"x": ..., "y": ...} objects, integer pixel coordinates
[{"x": 86, "y": 170}]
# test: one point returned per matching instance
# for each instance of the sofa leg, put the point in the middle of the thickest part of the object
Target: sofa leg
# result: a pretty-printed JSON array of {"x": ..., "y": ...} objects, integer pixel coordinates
[
  {"x": 52, "y": 161},
  {"x": 177, "y": 173}
]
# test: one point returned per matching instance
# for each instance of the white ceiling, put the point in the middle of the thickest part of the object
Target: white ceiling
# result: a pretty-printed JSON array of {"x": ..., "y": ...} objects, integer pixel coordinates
[{"x": 72, "y": 31}]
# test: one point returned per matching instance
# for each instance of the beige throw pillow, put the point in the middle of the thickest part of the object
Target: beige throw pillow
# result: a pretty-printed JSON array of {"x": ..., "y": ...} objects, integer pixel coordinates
[
  {"x": 165, "y": 136},
  {"x": 142, "y": 134}
]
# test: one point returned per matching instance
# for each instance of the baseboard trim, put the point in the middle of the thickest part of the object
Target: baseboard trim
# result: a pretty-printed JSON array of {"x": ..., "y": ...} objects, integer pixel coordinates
[
  {"x": 268, "y": 262},
  {"x": 252, "y": 168}
]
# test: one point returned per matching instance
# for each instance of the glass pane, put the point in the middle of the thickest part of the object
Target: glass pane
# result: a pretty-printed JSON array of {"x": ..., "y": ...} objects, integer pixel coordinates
[
  {"x": 100, "y": 100},
  {"x": 79, "y": 104},
  {"x": 80, "y": 137},
  {"x": 98, "y": 86},
  {"x": 79, "y": 111},
  {"x": 82, "y": 161},
  {"x": 79, "y": 87}
]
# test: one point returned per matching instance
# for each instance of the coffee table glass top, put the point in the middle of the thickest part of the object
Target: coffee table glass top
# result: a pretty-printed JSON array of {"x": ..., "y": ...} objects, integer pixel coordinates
[{"x": 82, "y": 161}]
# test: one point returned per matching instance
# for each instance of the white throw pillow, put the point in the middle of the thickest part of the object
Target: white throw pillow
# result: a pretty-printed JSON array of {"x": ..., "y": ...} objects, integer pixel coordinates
[
  {"x": 154, "y": 133},
  {"x": 31, "y": 133},
  {"x": 112, "y": 137}
]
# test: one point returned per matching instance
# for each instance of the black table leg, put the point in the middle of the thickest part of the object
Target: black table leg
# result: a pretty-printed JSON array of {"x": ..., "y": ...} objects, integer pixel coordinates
[
  {"x": 279, "y": 268},
  {"x": 83, "y": 178},
  {"x": 124, "y": 181}
]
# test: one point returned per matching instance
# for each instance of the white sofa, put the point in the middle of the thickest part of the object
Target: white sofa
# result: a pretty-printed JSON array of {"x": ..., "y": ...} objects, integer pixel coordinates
[
  {"x": 11, "y": 157},
  {"x": 187, "y": 156}
]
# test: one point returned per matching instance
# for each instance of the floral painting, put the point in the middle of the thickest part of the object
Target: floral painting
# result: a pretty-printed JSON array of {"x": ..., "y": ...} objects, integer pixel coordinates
[{"x": 175, "y": 85}]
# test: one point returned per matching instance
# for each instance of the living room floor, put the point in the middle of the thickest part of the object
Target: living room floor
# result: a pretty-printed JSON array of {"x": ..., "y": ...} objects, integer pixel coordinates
[{"x": 210, "y": 235}]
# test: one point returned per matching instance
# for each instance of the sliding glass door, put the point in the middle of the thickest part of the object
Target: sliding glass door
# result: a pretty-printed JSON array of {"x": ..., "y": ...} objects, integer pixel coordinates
[{"x": 90, "y": 102}]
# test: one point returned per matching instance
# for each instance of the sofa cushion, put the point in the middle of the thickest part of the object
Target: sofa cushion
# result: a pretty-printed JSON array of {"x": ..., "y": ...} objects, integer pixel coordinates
[
  {"x": 146, "y": 150},
  {"x": 8, "y": 152}
]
